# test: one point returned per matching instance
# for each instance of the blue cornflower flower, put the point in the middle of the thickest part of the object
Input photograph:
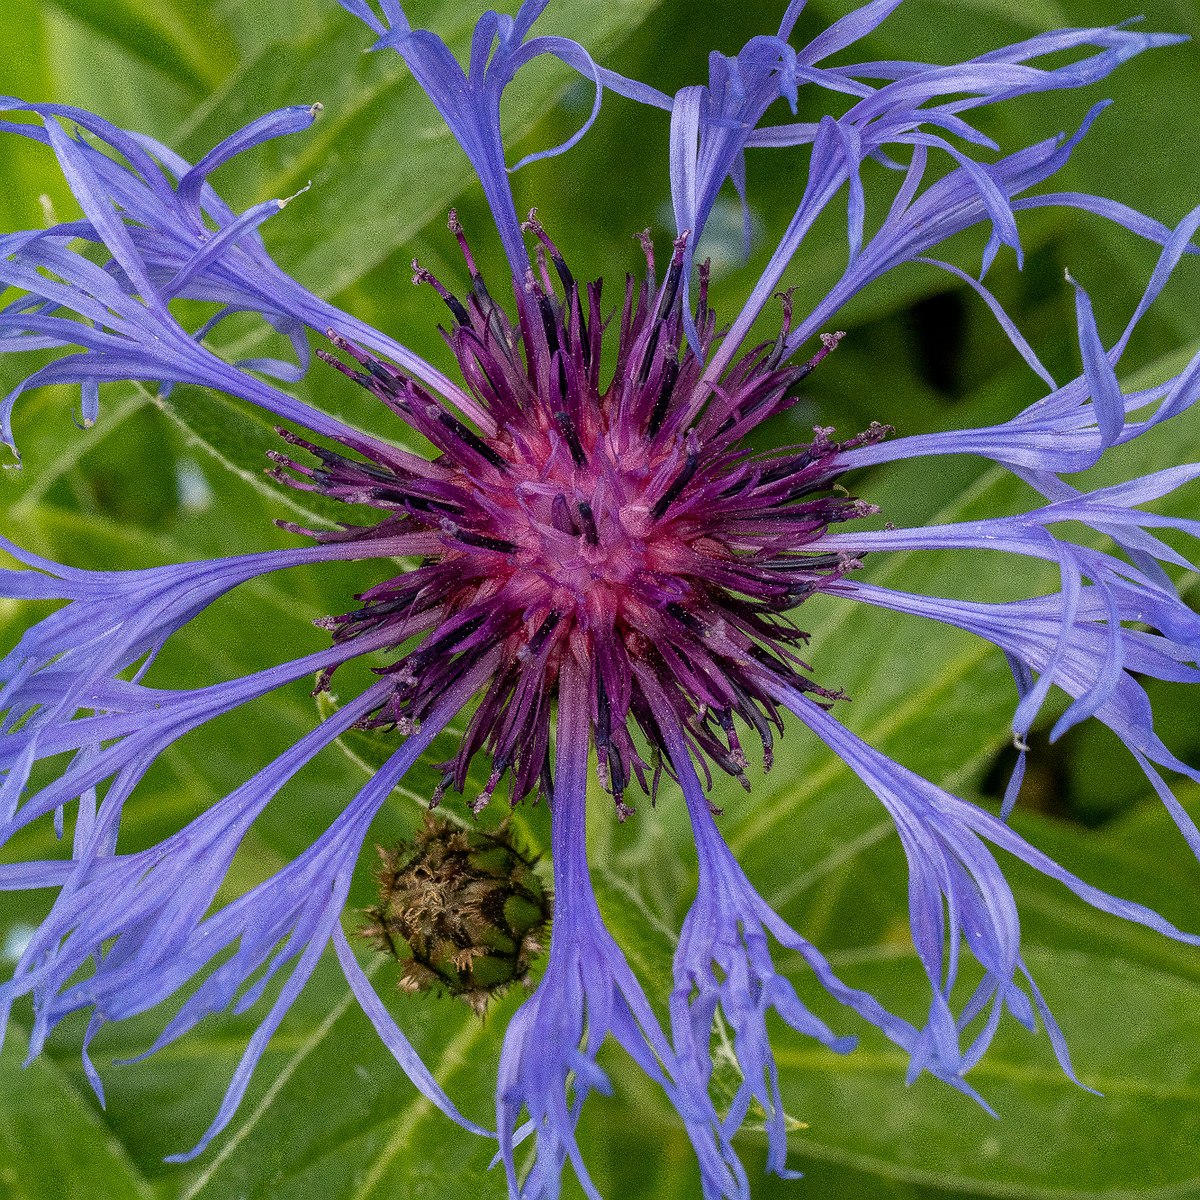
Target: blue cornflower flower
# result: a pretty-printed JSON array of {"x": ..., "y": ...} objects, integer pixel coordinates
[{"x": 602, "y": 566}]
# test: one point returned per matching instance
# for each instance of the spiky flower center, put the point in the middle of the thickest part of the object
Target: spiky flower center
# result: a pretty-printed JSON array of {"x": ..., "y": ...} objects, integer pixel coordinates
[{"x": 624, "y": 525}]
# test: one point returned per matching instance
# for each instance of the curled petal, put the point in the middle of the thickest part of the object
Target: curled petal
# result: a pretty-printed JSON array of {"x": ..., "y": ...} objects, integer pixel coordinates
[{"x": 469, "y": 101}]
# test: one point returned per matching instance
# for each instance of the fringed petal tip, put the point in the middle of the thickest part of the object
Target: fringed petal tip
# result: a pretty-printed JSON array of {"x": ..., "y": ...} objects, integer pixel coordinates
[
  {"x": 959, "y": 898},
  {"x": 170, "y": 236}
]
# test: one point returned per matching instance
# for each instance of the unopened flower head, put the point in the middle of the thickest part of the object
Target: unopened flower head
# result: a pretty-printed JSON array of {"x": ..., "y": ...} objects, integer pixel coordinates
[
  {"x": 595, "y": 560},
  {"x": 461, "y": 909}
]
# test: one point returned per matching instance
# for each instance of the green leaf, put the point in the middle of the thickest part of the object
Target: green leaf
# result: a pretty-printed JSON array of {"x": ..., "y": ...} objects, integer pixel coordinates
[
  {"x": 189, "y": 47},
  {"x": 238, "y": 437},
  {"x": 53, "y": 1143},
  {"x": 1046, "y": 1142},
  {"x": 1035, "y": 15},
  {"x": 370, "y": 1134}
]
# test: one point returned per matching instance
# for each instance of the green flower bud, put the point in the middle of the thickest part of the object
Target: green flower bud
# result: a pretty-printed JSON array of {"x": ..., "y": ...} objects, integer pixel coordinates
[{"x": 462, "y": 910}]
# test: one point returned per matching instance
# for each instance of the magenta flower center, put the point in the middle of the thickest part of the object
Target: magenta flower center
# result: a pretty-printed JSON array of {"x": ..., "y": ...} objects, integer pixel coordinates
[{"x": 625, "y": 525}]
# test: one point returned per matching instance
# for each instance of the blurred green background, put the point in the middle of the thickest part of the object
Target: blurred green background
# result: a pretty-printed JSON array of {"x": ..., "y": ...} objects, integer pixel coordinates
[{"x": 330, "y": 1116}]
